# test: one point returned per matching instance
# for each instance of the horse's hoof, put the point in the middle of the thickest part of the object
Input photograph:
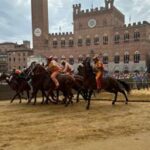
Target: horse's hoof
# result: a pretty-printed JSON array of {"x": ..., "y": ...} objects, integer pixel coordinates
[
  {"x": 66, "y": 105},
  {"x": 113, "y": 103},
  {"x": 87, "y": 108}
]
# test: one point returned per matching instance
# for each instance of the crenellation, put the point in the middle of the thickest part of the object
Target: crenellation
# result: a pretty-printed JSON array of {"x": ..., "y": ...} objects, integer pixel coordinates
[
  {"x": 61, "y": 34},
  {"x": 92, "y": 10},
  {"x": 96, "y": 9},
  {"x": 129, "y": 25},
  {"x": 102, "y": 8},
  {"x": 134, "y": 23},
  {"x": 87, "y": 11}
]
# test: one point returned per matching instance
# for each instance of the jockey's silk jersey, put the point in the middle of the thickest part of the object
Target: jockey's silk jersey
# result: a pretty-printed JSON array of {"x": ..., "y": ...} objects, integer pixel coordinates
[
  {"x": 99, "y": 66},
  {"x": 54, "y": 66}
]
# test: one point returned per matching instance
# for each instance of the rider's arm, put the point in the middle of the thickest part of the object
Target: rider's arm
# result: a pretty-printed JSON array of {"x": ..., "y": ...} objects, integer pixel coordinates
[{"x": 65, "y": 68}]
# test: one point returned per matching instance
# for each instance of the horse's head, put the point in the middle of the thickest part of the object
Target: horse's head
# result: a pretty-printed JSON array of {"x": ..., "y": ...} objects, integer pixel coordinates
[
  {"x": 38, "y": 69},
  {"x": 4, "y": 76},
  {"x": 88, "y": 67}
]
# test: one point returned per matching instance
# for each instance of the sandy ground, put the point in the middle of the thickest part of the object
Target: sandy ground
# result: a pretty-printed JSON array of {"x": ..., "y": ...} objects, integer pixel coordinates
[{"x": 55, "y": 127}]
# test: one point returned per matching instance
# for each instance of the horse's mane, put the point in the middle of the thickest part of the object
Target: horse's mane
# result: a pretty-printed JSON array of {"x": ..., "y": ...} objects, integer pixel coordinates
[
  {"x": 39, "y": 69},
  {"x": 88, "y": 68}
]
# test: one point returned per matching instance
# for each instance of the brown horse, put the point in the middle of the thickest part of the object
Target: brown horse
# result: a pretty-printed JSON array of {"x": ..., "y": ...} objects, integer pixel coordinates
[
  {"x": 109, "y": 84},
  {"x": 41, "y": 80},
  {"x": 16, "y": 84}
]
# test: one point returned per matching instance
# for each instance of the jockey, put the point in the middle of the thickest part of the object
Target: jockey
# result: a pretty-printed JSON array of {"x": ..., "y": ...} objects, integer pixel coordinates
[
  {"x": 54, "y": 68},
  {"x": 67, "y": 68},
  {"x": 17, "y": 71},
  {"x": 98, "y": 65}
]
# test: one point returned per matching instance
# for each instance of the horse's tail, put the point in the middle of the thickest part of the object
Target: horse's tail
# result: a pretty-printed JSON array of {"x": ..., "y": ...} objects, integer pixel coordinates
[{"x": 125, "y": 85}]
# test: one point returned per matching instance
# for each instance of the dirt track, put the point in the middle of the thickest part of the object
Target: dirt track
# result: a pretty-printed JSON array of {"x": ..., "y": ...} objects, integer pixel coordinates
[{"x": 53, "y": 127}]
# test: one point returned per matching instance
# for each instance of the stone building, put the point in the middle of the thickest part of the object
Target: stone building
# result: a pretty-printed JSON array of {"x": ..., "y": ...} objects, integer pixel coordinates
[
  {"x": 13, "y": 55},
  {"x": 99, "y": 31}
]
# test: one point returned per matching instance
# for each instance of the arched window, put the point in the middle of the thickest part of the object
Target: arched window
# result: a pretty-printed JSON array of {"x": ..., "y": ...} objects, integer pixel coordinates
[
  {"x": 96, "y": 40},
  {"x": 71, "y": 42},
  {"x": 126, "y": 58},
  {"x": 88, "y": 41},
  {"x": 105, "y": 58},
  {"x": 63, "y": 42},
  {"x": 126, "y": 36},
  {"x": 136, "y": 57},
  {"x": 80, "y": 41},
  {"x": 55, "y": 43},
  {"x": 105, "y": 39},
  {"x": 117, "y": 38},
  {"x": 117, "y": 58},
  {"x": 136, "y": 35}
]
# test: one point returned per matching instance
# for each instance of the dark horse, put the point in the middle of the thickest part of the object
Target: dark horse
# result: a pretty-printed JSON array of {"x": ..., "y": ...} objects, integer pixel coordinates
[
  {"x": 109, "y": 84},
  {"x": 16, "y": 84},
  {"x": 41, "y": 81}
]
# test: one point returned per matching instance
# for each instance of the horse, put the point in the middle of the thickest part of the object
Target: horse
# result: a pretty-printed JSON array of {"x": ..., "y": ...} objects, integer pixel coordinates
[
  {"x": 109, "y": 84},
  {"x": 41, "y": 80},
  {"x": 16, "y": 84}
]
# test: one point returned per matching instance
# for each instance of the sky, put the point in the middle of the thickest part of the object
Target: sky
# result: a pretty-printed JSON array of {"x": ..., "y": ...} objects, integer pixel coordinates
[{"x": 15, "y": 15}]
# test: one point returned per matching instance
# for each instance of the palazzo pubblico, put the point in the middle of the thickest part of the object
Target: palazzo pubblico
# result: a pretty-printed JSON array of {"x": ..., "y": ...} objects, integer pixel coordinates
[{"x": 99, "y": 31}]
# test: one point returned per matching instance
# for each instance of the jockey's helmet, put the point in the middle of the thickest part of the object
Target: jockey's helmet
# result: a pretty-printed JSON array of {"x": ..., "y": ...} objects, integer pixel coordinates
[
  {"x": 63, "y": 57},
  {"x": 88, "y": 56},
  {"x": 95, "y": 57},
  {"x": 17, "y": 71},
  {"x": 63, "y": 62},
  {"x": 50, "y": 58}
]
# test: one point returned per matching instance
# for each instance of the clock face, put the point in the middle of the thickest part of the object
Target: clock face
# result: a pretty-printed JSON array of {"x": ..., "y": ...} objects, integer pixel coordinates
[
  {"x": 92, "y": 23},
  {"x": 37, "y": 32}
]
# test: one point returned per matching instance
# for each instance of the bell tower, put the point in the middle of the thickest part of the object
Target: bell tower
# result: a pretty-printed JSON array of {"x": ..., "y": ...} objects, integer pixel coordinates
[
  {"x": 39, "y": 24},
  {"x": 109, "y": 4}
]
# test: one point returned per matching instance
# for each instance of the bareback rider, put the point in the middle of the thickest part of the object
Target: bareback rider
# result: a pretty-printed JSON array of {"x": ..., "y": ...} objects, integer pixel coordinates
[
  {"x": 99, "y": 68},
  {"x": 67, "y": 68},
  {"x": 54, "y": 68}
]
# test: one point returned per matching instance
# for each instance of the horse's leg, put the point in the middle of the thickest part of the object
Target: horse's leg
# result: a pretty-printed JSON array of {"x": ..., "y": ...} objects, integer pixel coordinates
[
  {"x": 20, "y": 98},
  {"x": 14, "y": 97},
  {"x": 28, "y": 94},
  {"x": 35, "y": 97},
  {"x": 77, "y": 99},
  {"x": 115, "y": 98},
  {"x": 125, "y": 95},
  {"x": 89, "y": 99},
  {"x": 43, "y": 97}
]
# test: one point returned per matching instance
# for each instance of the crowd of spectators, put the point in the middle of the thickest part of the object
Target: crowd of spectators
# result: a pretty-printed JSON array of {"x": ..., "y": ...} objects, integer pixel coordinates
[{"x": 137, "y": 80}]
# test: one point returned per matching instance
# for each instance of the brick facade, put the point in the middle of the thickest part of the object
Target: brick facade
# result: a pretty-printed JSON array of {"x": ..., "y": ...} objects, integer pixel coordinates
[{"x": 99, "y": 31}]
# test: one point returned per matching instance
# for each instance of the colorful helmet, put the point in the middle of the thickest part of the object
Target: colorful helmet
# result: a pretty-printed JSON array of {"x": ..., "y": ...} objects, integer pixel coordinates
[{"x": 17, "y": 71}]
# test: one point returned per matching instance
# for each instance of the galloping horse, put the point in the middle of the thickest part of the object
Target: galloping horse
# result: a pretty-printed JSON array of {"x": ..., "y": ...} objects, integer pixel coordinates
[
  {"x": 109, "y": 84},
  {"x": 16, "y": 84},
  {"x": 41, "y": 80}
]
